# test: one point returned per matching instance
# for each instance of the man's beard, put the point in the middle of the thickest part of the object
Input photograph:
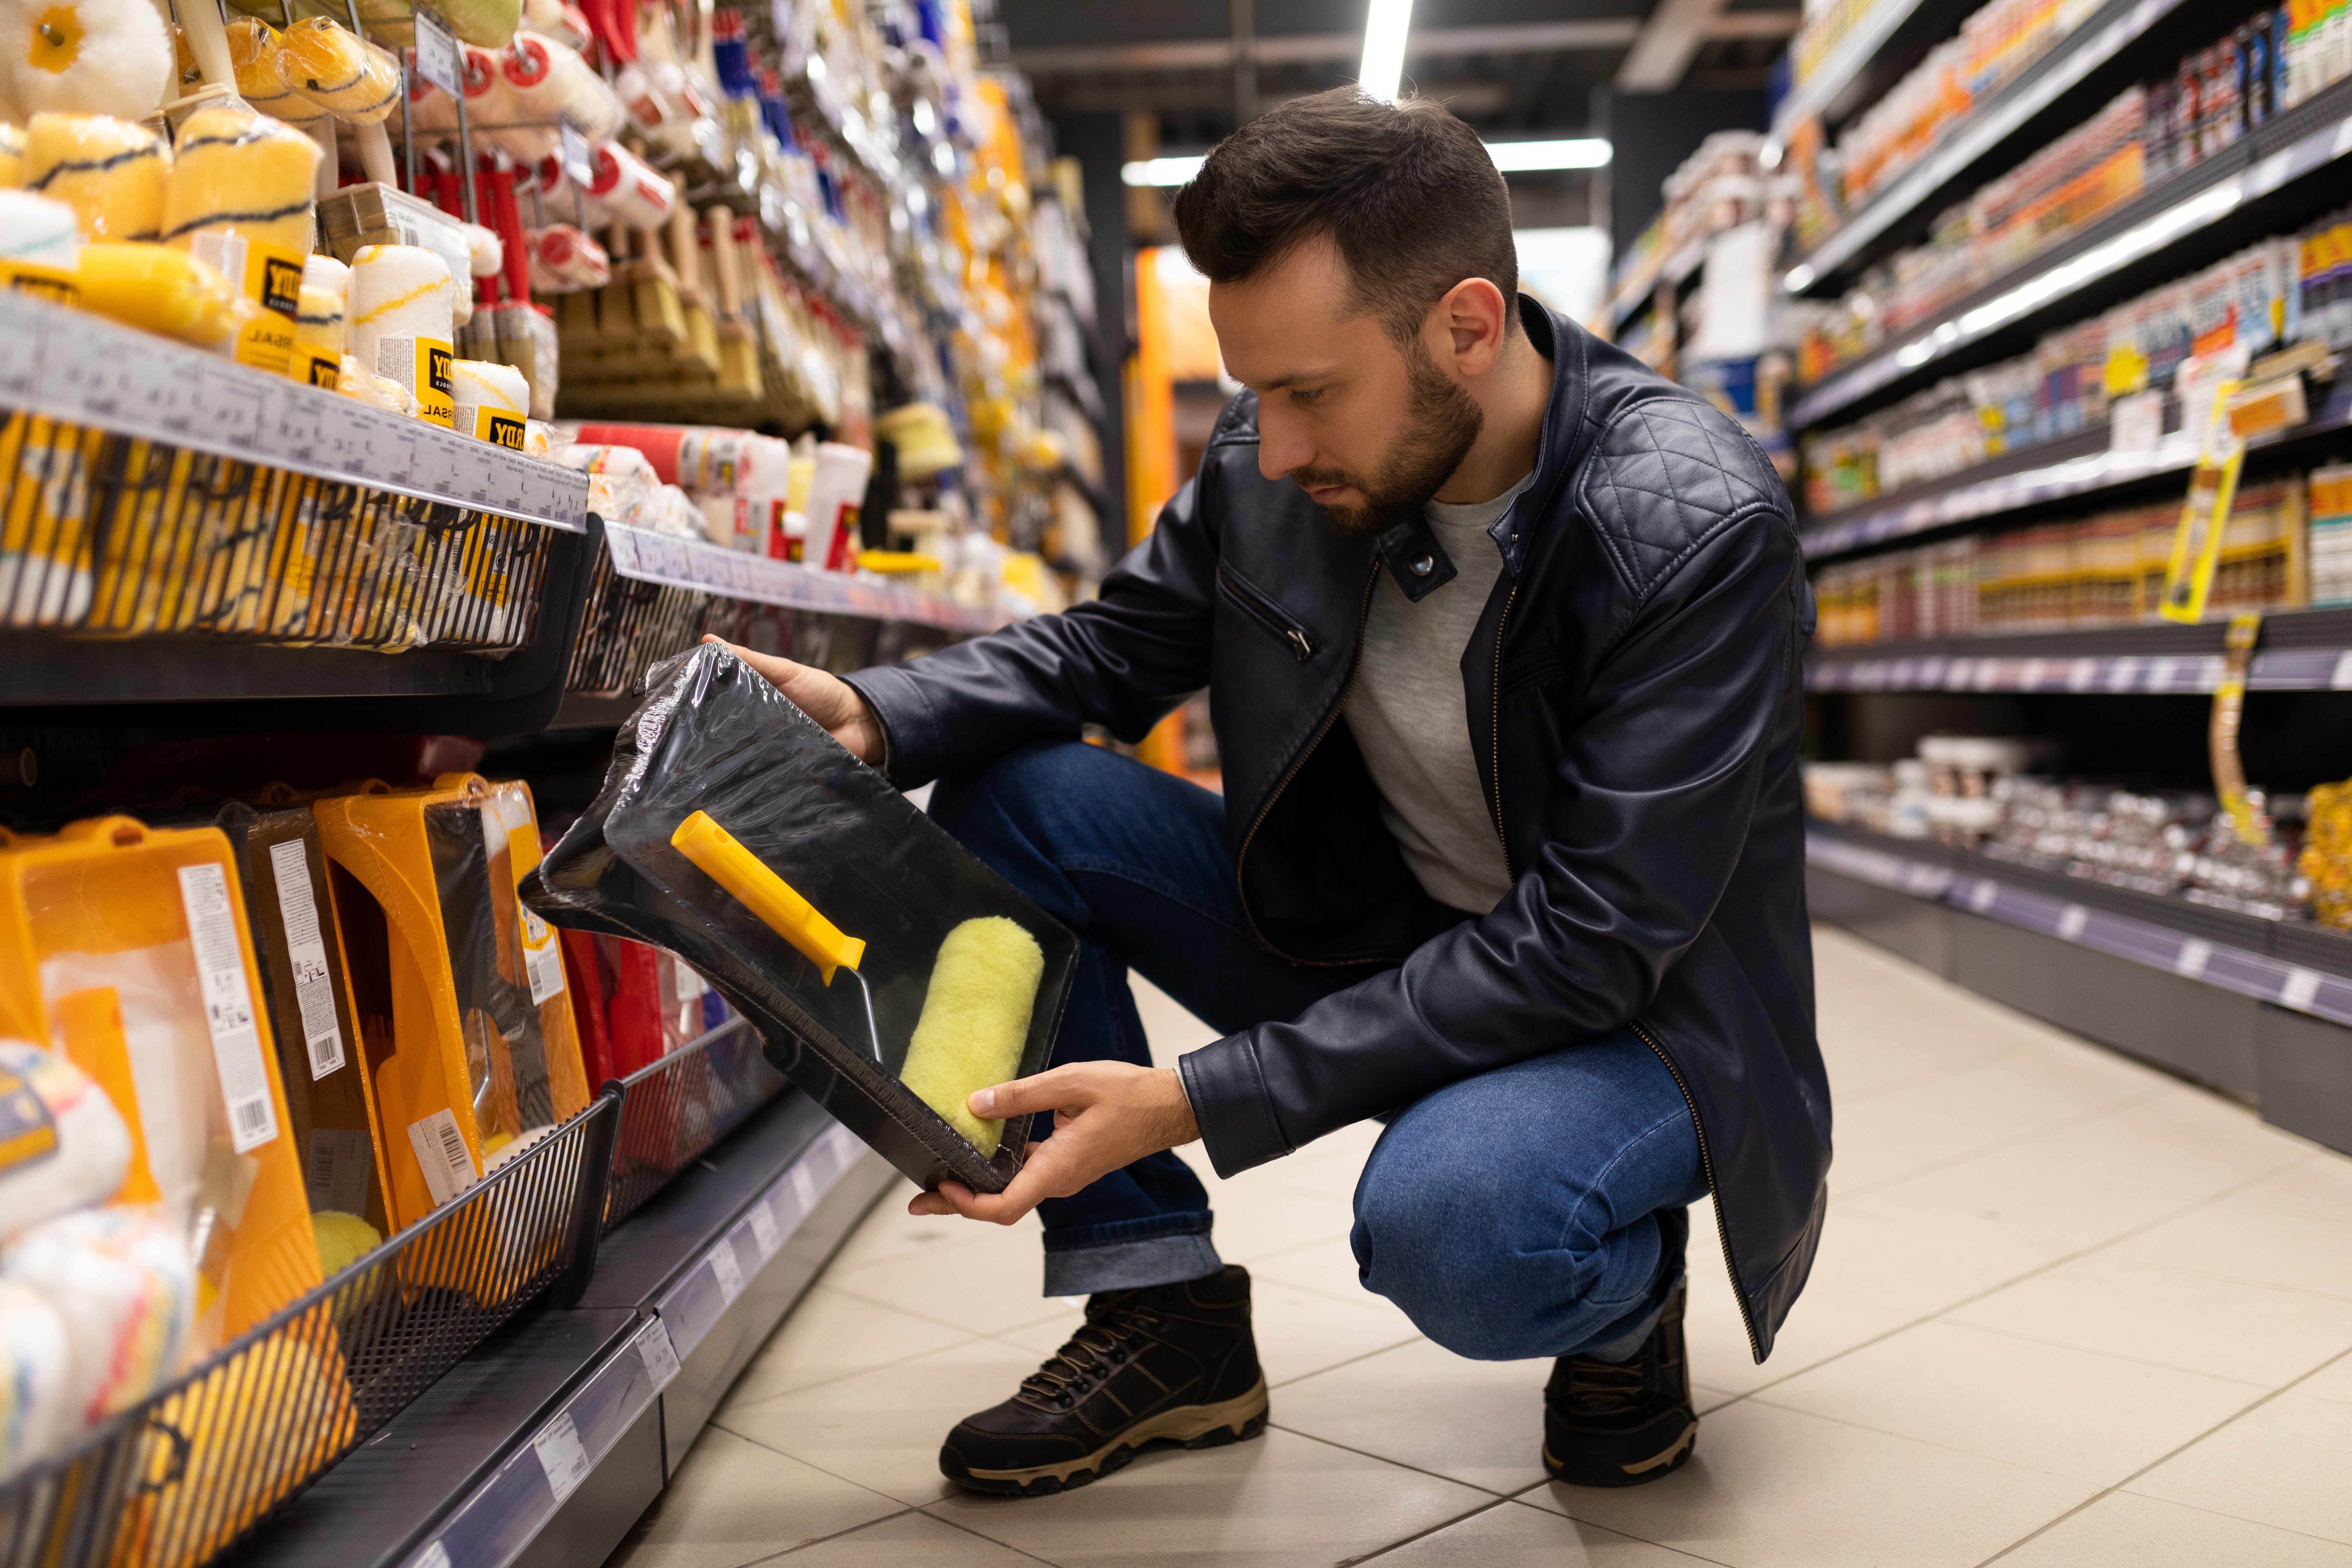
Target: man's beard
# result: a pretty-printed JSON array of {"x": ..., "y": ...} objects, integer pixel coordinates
[{"x": 1441, "y": 422}]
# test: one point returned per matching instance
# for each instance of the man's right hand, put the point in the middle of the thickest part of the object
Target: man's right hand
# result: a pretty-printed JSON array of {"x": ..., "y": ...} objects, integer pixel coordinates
[{"x": 827, "y": 698}]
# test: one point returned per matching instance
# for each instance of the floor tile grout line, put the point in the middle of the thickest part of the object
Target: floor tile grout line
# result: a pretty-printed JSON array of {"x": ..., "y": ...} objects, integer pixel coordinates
[
  {"x": 979, "y": 1535},
  {"x": 2234, "y": 1280},
  {"x": 1423, "y": 1535},
  {"x": 2168, "y": 1458},
  {"x": 2034, "y": 1273},
  {"x": 799, "y": 1459},
  {"x": 1521, "y": 1498},
  {"x": 821, "y": 1540},
  {"x": 1382, "y": 1458},
  {"x": 1999, "y": 1144},
  {"x": 2119, "y": 1355},
  {"x": 836, "y": 1377}
]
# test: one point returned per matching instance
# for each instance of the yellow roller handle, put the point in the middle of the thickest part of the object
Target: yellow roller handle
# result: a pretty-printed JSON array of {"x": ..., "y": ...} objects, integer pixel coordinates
[{"x": 725, "y": 862}]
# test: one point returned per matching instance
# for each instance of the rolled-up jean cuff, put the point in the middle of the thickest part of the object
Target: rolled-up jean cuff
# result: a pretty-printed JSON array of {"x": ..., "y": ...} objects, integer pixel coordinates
[{"x": 1131, "y": 1265}]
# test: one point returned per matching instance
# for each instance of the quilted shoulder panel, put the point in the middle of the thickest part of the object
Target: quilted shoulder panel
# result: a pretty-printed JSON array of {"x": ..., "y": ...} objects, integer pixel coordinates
[{"x": 1664, "y": 474}]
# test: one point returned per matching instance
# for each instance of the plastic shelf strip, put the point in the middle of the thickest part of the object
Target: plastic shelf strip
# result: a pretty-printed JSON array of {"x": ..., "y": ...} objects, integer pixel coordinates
[
  {"x": 2069, "y": 63},
  {"x": 644, "y": 556},
  {"x": 66, "y": 364},
  {"x": 2138, "y": 674},
  {"x": 494, "y": 1526},
  {"x": 2255, "y": 974},
  {"x": 692, "y": 1307},
  {"x": 2059, "y": 275}
]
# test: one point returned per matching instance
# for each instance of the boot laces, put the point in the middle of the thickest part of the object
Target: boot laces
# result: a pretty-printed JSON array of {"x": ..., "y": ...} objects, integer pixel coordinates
[
  {"x": 1605, "y": 1388},
  {"x": 1102, "y": 1344}
]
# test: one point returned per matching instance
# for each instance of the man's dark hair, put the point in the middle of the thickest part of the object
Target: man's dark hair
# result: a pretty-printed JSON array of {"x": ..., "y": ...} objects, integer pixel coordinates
[{"x": 1406, "y": 192}]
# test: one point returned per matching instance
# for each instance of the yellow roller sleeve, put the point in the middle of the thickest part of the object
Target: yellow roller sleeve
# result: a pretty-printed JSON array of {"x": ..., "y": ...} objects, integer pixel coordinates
[
  {"x": 717, "y": 854},
  {"x": 975, "y": 1021}
]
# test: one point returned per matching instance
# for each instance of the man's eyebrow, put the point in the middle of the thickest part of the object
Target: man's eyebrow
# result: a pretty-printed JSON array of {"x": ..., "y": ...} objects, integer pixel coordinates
[{"x": 1294, "y": 378}]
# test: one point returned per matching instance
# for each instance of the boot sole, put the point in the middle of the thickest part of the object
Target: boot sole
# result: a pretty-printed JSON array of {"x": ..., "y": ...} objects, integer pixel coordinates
[
  {"x": 1190, "y": 1427},
  {"x": 1639, "y": 1472}
]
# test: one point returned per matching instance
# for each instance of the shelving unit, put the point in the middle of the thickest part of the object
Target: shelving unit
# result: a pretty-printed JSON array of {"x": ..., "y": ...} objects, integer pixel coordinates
[
  {"x": 2110, "y": 257},
  {"x": 2258, "y": 1008}
]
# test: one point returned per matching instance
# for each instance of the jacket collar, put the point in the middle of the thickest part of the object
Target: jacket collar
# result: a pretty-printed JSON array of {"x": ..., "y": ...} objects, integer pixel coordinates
[{"x": 1411, "y": 551}]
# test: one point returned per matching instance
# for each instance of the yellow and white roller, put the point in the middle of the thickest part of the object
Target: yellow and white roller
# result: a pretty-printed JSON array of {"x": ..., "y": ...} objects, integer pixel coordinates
[
  {"x": 975, "y": 1021},
  {"x": 159, "y": 288},
  {"x": 399, "y": 323},
  {"x": 489, "y": 401},
  {"x": 83, "y": 57},
  {"x": 254, "y": 48},
  {"x": 12, "y": 155},
  {"x": 339, "y": 72},
  {"x": 111, "y": 172},
  {"x": 242, "y": 172}
]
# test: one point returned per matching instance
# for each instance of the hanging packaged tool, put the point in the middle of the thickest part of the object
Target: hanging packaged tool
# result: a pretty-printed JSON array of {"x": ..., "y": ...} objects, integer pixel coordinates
[{"x": 889, "y": 972}]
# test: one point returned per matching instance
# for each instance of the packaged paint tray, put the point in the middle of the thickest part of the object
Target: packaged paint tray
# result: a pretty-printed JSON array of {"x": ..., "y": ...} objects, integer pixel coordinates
[
  {"x": 126, "y": 948},
  {"x": 466, "y": 1031},
  {"x": 889, "y": 972}
]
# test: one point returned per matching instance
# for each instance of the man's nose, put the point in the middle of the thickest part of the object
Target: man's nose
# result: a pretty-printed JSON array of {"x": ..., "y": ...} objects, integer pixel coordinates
[{"x": 1281, "y": 451}]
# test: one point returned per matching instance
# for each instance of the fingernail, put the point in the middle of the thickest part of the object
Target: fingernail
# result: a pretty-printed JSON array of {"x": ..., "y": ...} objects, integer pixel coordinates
[{"x": 983, "y": 1102}]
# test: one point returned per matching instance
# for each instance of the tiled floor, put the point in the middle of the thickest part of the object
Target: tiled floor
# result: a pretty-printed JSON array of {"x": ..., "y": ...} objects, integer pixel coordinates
[{"x": 2067, "y": 1311}]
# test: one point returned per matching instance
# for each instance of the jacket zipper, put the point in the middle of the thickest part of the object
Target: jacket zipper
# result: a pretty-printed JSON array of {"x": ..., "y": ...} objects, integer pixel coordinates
[
  {"x": 1706, "y": 1161},
  {"x": 1495, "y": 743},
  {"x": 1355, "y": 663},
  {"x": 1302, "y": 647},
  {"x": 1707, "y": 1168}
]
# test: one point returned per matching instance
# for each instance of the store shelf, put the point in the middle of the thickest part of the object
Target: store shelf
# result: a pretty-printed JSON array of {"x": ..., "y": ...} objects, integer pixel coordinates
[
  {"x": 2195, "y": 201},
  {"x": 1681, "y": 268},
  {"x": 545, "y": 1445},
  {"x": 2301, "y": 651},
  {"x": 2073, "y": 465},
  {"x": 2043, "y": 84},
  {"x": 646, "y": 557},
  {"x": 2248, "y": 1005},
  {"x": 1846, "y": 62},
  {"x": 70, "y": 365}
]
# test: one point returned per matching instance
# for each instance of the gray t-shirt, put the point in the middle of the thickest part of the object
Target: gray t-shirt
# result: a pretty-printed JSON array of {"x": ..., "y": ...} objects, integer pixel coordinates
[{"x": 1412, "y": 720}]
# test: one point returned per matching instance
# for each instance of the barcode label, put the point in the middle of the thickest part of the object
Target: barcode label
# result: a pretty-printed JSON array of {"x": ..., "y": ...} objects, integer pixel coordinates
[
  {"x": 730, "y": 1272},
  {"x": 542, "y": 960},
  {"x": 442, "y": 1155},
  {"x": 228, "y": 1006},
  {"x": 661, "y": 1355},
  {"x": 561, "y": 1456},
  {"x": 335, "y": 1174},
  {"x": 306, "y": 954},
  {"x": 763, "y": 1230},
  {"x": 437, "y": 59}
]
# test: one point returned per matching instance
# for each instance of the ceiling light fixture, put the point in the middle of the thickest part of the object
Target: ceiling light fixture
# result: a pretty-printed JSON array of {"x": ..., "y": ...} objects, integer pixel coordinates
[
  {"x": 1511, "y": 157},
  {"x": 1386, "y": 22}
]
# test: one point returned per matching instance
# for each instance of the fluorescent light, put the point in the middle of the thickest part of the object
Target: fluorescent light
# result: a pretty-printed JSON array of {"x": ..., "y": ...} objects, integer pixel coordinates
[
  {"x": 1575, "y": 153},
  {"x": 1799, "y": 280},
  {"x": 1513, "y": 157},
  {"x": 1386, "y": 22},
  {"x": 1162, "y": 171}
]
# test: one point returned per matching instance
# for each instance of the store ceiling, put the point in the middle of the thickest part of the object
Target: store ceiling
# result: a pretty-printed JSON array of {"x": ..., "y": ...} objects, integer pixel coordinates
[{"x": 1511, "y": 67}]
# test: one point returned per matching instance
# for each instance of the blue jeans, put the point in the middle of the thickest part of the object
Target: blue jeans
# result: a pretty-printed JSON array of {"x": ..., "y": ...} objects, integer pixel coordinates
[{"x": 1536, "y": 1210}]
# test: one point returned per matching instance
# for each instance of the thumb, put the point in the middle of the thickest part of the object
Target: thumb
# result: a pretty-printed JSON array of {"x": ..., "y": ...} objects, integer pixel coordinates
[{"x": 1058, "y": 1090}]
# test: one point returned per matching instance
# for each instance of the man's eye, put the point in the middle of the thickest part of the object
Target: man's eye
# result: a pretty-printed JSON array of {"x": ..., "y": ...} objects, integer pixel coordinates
[{"x": 1306, "y": 394}]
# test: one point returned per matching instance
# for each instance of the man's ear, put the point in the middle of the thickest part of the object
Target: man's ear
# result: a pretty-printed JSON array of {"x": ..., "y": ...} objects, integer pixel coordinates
[{"x": 1471, "y": 319}]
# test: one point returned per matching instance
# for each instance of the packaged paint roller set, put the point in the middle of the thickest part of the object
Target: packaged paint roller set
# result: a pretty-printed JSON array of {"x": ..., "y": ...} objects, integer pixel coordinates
[{"x": 888, "y": 971}]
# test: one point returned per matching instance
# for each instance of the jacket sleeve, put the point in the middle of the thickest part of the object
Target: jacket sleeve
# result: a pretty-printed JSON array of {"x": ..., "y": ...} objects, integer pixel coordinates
[
  {"x": 1122, "y": 660},
  {"x": 1656, "y": 786}
]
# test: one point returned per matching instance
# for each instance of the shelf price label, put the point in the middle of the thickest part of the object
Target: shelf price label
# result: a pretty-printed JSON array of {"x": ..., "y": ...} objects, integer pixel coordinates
[
  {"x": 660, "y": 1354},
  {"x": 437, "y": 59},
  {"x": 730, "y": 1272},
  {"x": 561, "y": 1456}
]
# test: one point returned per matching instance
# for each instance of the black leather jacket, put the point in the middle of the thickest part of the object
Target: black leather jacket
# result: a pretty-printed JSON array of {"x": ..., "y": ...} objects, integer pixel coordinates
[{"x": 1636, "y": 705}]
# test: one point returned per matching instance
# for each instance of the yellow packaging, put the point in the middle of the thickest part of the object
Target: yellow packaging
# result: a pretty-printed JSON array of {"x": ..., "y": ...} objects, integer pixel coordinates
[
  {"x": 464, "y": 1026},
  {"x": 127, "y": 947},
  {"x": 54, "y": 284},
  {"x": 269, "y": 275}
]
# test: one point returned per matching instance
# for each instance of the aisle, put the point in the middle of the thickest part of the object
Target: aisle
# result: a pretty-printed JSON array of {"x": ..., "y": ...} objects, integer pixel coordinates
[{"x": 2069, "y": 1311}]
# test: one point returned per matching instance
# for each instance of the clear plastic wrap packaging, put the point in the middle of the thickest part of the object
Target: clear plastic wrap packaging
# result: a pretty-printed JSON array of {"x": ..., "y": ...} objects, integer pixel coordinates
[
  {"x": 883, "y": 965},
  {"x": 127, "y": 948},
  {"x": 466, "y": 1031}
]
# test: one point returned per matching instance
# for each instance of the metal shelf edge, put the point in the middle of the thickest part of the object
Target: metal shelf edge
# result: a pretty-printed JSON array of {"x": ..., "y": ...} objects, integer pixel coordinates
[
  {"x": 2257, "y": 976},
  {"x": 1844, "y": 60}
]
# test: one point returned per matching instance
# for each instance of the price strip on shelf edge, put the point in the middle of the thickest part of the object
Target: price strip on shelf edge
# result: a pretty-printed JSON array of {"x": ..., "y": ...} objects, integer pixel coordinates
[
  {"x": 730, "y": 1272},
  {"x": 437, "y": 60},
  {"x": 561, "y": 1456},
  {"x": 660, "y": 1354},
  {"x": 763, "y": 1229}
]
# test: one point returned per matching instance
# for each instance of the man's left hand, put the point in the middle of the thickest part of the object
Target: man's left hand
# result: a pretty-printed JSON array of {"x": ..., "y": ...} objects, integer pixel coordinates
[{"x": 1107, "y": 1115}]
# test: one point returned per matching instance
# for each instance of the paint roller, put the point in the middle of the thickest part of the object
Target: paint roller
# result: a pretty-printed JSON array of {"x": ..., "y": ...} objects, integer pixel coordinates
[{"x": 976, "y": 1007}]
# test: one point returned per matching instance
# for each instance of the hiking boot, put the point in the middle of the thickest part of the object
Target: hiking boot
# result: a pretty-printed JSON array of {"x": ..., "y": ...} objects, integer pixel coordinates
[
  {"x": 1169, "y": 1363},
  {"x": 1622, "y": 1424}
]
